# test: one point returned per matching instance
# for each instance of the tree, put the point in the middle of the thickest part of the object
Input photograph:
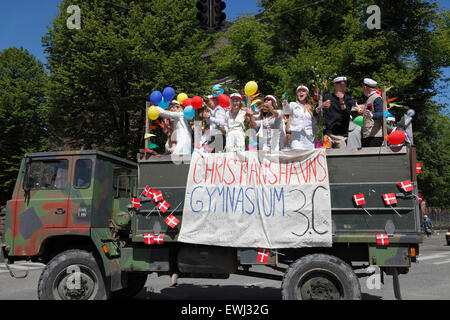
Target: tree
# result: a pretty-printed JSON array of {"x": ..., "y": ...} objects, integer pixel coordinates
[
  {"x": 306, "y": 42},
  {"x": 102, "y": 74},
  {"x": 22, "y": 113}
]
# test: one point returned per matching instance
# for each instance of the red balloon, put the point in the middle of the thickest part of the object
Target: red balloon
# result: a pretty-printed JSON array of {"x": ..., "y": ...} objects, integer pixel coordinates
[
  {"x": 396, "y": 137},
  {"x": 187, "y": 102},
  {"x": 197, "y": 102},
  {"x": 224, "y": 100}
]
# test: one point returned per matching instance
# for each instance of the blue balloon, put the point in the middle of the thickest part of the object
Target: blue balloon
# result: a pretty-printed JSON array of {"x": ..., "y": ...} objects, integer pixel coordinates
[
  {"x": 164, "y": 104},
  {"x": 189, "y": 112},
  {"x": 168, "y": 93},
  {"x": 155, "y": 97},
  {"x": 217, "y": 89}
]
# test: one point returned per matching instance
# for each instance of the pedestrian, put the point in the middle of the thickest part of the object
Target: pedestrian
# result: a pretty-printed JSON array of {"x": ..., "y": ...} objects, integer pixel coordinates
[
  {"x": 215, "y": 118},
  {"x": 372, "y": 129},
  {"x": 336, "y": 108},
  {"x": 234, "y": 127},
  {"x": 271, "y": 134},
  {"x": 301, "y": 124},
  {"x": 428, "y": 225},
  {"x": 181, "y": 129}
]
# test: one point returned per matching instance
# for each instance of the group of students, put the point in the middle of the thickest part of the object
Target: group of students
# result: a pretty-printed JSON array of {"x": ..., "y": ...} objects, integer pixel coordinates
[{"x": 291, "y": 126}]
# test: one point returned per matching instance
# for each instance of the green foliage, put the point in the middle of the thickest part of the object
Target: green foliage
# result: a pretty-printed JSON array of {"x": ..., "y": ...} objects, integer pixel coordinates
[
  {"x": 305, "y": 42},
  {"x": 102, "y": 74},
  {"x": 22, "y": 113}
]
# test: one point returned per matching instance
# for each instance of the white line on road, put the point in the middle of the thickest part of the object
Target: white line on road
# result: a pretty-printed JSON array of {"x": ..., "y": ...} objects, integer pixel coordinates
[
  {"x": 442, "y": 262},
  {"x": 433, "y": 256}
]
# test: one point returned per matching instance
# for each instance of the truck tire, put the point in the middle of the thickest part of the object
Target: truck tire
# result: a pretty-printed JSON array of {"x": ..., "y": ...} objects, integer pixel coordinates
[
  {"x": 320, "y": 277},
  {"x": 136, "y": 282},
  {"x": 72, "y": 275}
]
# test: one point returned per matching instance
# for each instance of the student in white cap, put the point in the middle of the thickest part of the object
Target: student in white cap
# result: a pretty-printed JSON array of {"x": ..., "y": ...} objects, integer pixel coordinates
[
  {"x": 372, "y": 129},
  {"x": 182, "y": 133},
  {"x": 301, "y": 123},
  {"x": 272, "y": 133},
  {"x": 215, "y": 118},
  {"x": 336, "y": 111},
  {"x": 234, "y": 127}
]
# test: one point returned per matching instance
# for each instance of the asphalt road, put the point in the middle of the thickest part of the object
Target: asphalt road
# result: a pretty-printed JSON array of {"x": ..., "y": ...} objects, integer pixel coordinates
[{"x": 426, "y": 280}]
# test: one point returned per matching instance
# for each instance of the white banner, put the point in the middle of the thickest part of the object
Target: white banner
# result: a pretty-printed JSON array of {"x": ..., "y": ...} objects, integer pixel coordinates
[{"x": 252, "y": 199}]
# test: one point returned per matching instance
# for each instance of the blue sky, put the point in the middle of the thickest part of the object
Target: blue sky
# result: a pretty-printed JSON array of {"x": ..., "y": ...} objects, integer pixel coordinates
[{"x": 23, "y": 23}]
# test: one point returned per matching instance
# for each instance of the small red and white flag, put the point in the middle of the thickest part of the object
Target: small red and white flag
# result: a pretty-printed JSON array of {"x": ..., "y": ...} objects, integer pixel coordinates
[
  {"x": 382, "y": 239},
  {"x": 163, "y": 206},
  {"x": 171, "y": 221},
  {"x": 359, "y": 199},
  {"x": 136, "y": 202},
  {"x": 157, "y": 196},
  {"x": 148, "y": 192},
  {"x": 389, "y": 198},
  {"x": 406, "y": 185},
  {"x": 159, "y": 239},
  {"x": 149, "y": 238},
  {"x": 263, "y": 254},
  {"x": 420, "y": 198},
  {"x": 418, "y": 168}
]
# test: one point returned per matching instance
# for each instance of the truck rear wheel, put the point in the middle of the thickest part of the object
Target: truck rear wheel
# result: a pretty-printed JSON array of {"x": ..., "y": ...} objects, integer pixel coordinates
[
  {"x": 136, "y": 282},
  {"x": 320, "y": 277},
  {"x": 72, "y": 275}
]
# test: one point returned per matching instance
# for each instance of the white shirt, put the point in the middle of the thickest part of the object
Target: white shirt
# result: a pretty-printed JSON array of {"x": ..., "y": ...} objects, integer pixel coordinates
[
  {"x": 235, "y": 124},
  {"x": 271, "y": 132},
  {"x": 216, "y": 117},
  {"x": 301, "y": 119},
  {"x": 182, "y": 131}
]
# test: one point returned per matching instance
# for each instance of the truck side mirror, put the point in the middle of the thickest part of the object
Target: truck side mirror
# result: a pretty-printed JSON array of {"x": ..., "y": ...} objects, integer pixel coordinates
[{"x": 26, "y": 181}]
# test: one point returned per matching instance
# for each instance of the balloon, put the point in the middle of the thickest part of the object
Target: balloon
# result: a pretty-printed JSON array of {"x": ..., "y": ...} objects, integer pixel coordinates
[
  {"x": 187, "y": 102},
  {"x": 359, "y": 121},
  {"x": 197, "y": 102},
  {"x": 251, "y": 88},
  {"x": 156, "y": 97},
  {"x": 189, "y": 112},
  {"x": 217, "y": 89},
  {"x": 224, "y": 100},
  {"x": 181, "y": 97},
  {"x": 397, "y": 137},
  {"x": 153, "y": 113},
  {"x": 168, "y": 93},
  {"x": 164, "y": 104}
]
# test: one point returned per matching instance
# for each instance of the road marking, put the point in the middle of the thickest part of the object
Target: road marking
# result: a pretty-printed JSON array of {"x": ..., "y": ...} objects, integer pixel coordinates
[
  {"x": 442, "y": 262},
  {"x": 433, "y": 256}
]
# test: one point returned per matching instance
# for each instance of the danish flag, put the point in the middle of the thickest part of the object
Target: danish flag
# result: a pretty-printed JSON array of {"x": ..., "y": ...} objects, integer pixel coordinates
[
  {"x": 418, "y": 168},
  {"x": 136, "y": 202},
  {"x": 171, "y": 221},
  {"x": 382, "y": 239},
  {"x": 163, "y": 206},
  {"x": 389, "y": 198},
  {"x": 149, "y": 238},
  {"x": 157, "y": 196},
  {"x": 405, "y": 185},
  {"x": 263, "y": 254},
  {"x": 420, "y": 198},
  {"x": 359, "y": 199},
  {"x": 148, "y": 192},
  {"x": 159, "y": 239}
]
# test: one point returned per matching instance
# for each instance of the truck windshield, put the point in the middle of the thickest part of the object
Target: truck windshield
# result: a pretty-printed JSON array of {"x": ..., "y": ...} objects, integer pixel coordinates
[{"x": 48, "y": 174}]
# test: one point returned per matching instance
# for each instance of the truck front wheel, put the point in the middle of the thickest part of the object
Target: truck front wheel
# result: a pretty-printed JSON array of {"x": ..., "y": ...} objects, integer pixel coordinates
[
  {"x": 320, "y": 277},
  {"x": 72, "y": 275}
]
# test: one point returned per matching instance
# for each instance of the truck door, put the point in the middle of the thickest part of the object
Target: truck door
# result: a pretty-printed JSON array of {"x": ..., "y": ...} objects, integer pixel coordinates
[
  {"x": 47, "y": 203},
  {"x": 81, "y": 194}
]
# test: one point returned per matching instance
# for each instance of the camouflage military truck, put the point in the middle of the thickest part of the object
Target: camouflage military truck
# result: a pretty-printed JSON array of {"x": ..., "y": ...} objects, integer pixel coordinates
[{"x": 72, "y": 212}]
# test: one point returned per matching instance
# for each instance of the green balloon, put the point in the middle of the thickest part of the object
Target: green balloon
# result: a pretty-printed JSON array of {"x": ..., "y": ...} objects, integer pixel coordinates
[{"x": 358, "y": 121}]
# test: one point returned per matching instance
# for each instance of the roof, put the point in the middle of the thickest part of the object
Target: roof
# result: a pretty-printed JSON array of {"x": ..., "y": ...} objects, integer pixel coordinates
[{"x": 80, "y": 153}]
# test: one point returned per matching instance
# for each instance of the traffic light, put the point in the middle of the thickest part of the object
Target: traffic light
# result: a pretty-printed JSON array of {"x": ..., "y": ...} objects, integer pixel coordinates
[
  {"x": 218, "y": 15},
  {"x": 203, "y": 7}
]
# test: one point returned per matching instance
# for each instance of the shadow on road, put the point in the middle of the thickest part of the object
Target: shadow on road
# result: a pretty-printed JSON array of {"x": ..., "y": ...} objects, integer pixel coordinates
[{"x": 211, "y": 292}]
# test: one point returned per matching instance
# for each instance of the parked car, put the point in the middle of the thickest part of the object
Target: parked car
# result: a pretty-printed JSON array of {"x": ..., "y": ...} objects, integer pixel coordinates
[{"x": 447, "y": 237}]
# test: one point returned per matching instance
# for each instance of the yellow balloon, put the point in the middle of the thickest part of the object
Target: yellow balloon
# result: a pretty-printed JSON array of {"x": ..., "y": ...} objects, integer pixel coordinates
[
  {"x": 153, "y": 113},
  {"x": 250, "y": 88},
  {"x": 181, "y": 97}
]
